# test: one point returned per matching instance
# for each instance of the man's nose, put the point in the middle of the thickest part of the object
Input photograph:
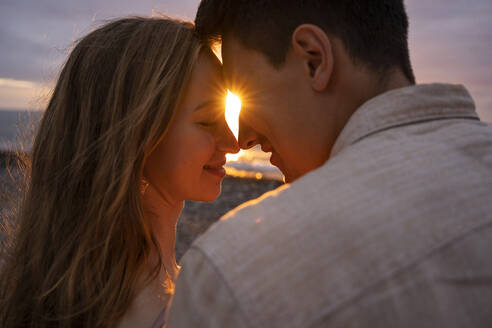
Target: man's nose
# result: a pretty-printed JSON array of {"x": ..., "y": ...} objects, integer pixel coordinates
[{"x": 248, "y": 138}]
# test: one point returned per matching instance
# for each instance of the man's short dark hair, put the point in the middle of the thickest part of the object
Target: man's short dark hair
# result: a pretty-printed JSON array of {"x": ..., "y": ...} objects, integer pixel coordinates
[{"x": 374, "y": 32}]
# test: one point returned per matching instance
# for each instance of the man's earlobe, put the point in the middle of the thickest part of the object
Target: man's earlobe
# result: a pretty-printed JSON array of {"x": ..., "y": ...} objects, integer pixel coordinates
[{"x": 314, "y": 48}]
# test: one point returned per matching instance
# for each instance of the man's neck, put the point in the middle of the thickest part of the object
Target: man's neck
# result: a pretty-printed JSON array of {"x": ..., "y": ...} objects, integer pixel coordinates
[{"x": 395, "y": 80}]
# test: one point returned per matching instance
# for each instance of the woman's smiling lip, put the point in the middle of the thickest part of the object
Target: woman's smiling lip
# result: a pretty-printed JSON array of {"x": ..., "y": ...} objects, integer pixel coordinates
[{"x": 216, "y": 168}]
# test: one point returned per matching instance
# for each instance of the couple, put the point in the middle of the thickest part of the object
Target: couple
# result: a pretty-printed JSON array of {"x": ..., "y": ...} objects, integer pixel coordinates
[{"x": 386, "y": 219}]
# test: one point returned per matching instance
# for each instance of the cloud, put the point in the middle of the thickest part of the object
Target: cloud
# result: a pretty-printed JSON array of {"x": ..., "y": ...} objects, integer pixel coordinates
[
  {"x": 451, "y": 41},
  {"x": 19, "y": 94},
  {"x": 35, "y": 35}
]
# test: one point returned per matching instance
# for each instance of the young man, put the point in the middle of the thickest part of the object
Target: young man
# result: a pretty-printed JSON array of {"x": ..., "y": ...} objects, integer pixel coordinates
[{"x": 387, "y": 217}]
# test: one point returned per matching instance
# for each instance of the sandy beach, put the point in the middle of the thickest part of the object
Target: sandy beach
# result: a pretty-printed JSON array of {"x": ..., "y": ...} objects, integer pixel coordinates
[{"x": 196, "y": 217}]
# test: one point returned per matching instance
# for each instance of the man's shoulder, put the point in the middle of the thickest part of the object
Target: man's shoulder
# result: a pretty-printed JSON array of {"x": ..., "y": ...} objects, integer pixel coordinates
[
  {"x": 256, "y": 228},
  {"x": 253, "y": 217},
  {"x": 275, "y": 236}
]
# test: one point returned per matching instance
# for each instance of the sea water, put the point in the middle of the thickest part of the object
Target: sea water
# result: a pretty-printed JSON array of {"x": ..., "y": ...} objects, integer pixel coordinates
[{"x": 17, "y": 128}]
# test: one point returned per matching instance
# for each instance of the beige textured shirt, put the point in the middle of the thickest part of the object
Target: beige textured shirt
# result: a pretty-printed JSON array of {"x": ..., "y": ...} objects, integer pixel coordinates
[{"x": 395, "y": 230}]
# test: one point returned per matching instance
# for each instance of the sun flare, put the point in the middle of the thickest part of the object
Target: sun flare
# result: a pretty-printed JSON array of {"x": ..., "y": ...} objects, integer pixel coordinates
[{"x": 232, "y": 110}]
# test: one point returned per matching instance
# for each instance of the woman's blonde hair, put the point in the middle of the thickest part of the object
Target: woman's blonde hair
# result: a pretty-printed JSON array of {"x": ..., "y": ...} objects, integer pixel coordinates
[{"x": 83, "y": 242}]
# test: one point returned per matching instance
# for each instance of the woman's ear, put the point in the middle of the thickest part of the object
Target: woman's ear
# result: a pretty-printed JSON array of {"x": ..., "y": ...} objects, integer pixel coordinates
[{"x": 314, "y": 48}]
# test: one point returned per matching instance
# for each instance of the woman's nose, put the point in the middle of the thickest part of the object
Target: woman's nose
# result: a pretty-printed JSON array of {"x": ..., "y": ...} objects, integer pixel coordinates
[{"x": 227, "y": 142}]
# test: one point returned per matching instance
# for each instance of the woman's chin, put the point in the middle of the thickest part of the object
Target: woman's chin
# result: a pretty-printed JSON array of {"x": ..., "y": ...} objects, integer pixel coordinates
[{"x": 210, "y": 194}]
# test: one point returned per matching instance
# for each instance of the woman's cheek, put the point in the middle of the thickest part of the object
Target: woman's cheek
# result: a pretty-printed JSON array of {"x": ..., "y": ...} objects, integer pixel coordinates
[
  {"x": 206, "y": 144},
  {"x": 211, "y": 146}
]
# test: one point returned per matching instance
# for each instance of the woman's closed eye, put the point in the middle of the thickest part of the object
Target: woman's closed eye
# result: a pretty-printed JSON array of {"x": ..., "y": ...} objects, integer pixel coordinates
[
  {"x": 211, "y": 119},
  {"x": 207, "y": 123}
]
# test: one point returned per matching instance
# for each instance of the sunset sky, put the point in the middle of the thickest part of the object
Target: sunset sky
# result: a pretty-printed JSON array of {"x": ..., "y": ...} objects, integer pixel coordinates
[{"x": 450, "y": 41}]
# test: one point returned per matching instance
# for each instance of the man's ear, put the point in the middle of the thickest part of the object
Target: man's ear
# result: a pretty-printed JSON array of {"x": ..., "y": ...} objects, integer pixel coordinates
[{"x": 314, "y": 48}]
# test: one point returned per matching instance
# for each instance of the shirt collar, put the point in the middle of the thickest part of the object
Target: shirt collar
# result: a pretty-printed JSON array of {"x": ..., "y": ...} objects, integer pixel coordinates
[{"x": 417, "y": 103}]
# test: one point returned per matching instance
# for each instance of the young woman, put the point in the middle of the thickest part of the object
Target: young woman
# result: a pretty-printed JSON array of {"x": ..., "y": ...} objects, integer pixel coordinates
[{"x": 134, "y": 127}]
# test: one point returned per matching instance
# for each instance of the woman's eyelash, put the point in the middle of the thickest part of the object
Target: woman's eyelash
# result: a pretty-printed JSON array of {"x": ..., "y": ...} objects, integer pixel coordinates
[
  {"x": 212, "y": 120},
  {"x": 207, "y": 123}
]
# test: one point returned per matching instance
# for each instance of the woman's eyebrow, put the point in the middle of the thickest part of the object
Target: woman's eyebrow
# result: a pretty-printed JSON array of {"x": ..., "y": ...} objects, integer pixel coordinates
[{"x": 205, "y": 104}]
